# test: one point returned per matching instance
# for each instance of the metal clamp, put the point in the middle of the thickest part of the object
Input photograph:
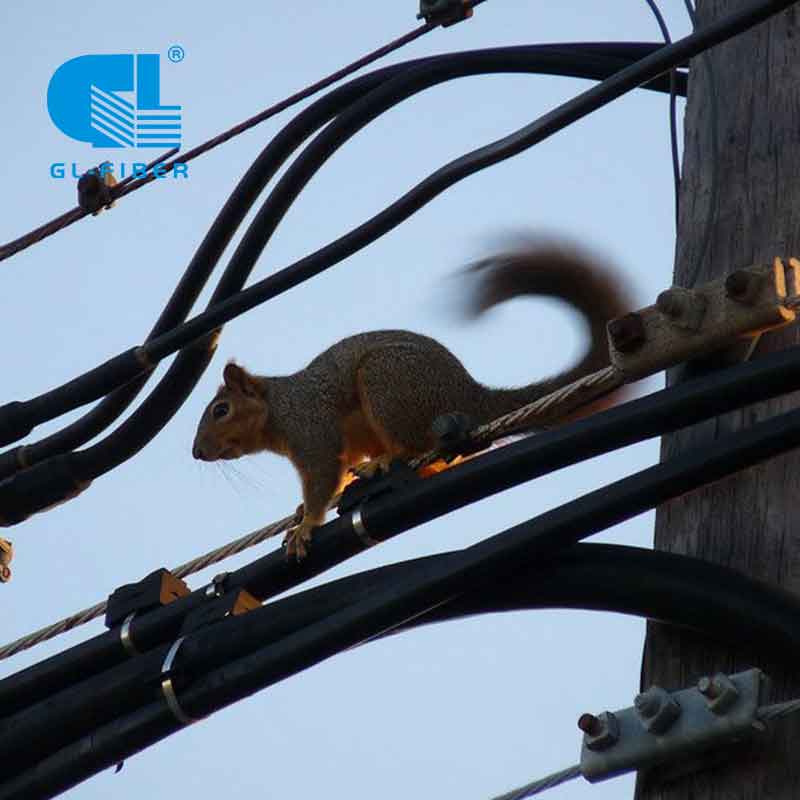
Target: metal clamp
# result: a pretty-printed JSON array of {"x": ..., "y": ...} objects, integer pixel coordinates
[
  {"x": 217, "y": 586},
  {"x": 357, "y": 521},
  {"x": 444, "y": 12},
  {"x": 125, "y": 638},
  {"x": 169, "y": 690},
  {"x": 663, "y": 727}
]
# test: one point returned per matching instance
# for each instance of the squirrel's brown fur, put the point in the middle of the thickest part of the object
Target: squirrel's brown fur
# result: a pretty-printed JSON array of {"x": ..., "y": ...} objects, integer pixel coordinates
[{"x": 375, "y": 395}]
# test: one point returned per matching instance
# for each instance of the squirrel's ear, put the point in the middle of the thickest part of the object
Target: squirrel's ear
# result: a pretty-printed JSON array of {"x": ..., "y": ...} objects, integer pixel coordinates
[{"x": 238, "y": 379}]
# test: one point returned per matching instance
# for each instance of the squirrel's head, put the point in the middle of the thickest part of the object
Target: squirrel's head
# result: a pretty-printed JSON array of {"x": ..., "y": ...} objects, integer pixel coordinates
[{"x": 233, "y": 423}]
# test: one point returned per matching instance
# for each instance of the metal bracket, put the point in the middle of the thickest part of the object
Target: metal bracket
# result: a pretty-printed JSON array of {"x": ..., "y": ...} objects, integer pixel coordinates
[
  {"x": 156, "y": 589},
  {"x": 445, "y": 12},
  {"x": 688, "y": 323},
  {"x": 663, "y": 726},
  {"x": 218, "y": 608}
]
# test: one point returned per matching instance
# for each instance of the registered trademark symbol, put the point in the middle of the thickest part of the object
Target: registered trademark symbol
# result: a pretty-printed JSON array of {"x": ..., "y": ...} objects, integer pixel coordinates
[{"x": 176, "y": 53}]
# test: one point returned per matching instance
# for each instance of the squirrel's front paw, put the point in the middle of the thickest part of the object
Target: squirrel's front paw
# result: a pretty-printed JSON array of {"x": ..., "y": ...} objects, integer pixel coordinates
[
  {"x": 298, "y": 540},
  {"x": 373, "y": 467}
]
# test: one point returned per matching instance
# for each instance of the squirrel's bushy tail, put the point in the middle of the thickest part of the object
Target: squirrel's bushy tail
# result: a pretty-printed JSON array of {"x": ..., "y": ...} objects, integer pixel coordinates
[{"x": 542, "y": 268}]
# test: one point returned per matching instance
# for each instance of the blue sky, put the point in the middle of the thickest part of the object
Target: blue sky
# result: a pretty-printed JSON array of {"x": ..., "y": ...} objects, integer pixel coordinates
[{"x": 465, "y": 709}]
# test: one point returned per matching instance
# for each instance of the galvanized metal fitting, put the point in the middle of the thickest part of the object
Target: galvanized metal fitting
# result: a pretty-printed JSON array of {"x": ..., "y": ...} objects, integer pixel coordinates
[
  {"x": 627, "y": 332},
  {"x": 719, "y": 691},
  {"x": 684, "y": 308},
  {"x": 657, "y": 709},
  {"x": 599, "y": 732},
  {"x": 743, "y": 285},
  {"x": 217, "y": 586}
]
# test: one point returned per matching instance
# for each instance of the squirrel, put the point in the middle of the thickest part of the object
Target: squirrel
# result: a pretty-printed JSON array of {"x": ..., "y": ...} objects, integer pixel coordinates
[{"x": 374, "y": 396}]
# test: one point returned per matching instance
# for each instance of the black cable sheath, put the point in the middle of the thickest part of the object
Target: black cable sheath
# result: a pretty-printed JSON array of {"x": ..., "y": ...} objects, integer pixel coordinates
[
  {"x": 200, "y": 267},
  {"x": 52, "y": 722},
  {"x": 426, "y": 586},
  {"x": 589, "y": 60},
  {"x": 661, "y": 412}
]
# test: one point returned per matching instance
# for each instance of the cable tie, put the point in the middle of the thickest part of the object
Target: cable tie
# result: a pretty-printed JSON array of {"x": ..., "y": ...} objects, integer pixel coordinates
[
  {"x": 357, "y": 523},
  {"x": 169, "y": 690},
  {"x": 125, "y": 638}
]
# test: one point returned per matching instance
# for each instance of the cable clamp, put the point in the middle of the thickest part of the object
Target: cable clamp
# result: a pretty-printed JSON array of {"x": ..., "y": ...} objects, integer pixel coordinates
[
  {"x": 357, "y": 523},
  {"x": 168, "y": 689},
  {"x": 156, "y": 589},
  {"x": 217, "y": 586},
  {"x": 444, "y": 12},
  {"x": 673, "y": 731},
  {"x": 125, "y": 638},
  {"x": 95, "y": 188}
]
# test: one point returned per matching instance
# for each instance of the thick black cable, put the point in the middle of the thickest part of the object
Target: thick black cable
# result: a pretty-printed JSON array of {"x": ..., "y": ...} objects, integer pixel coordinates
[
  {"x": 17, "y": 420},
  {"x": 656, "y": 414},
  {"x": 491, "y": 561},
  {"x": 66, "y": 475},
  {"x": 199, "y": 269},
  {"x": 475, "y": 569},
  {"x": 662, "y": 412}
]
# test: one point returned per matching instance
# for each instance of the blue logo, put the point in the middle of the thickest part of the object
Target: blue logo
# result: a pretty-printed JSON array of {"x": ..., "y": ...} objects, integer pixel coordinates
[{"x": 113, "y": 101}]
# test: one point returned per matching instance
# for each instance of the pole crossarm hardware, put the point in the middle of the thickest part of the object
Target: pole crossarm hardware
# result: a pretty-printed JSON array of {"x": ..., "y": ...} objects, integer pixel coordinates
[
  {"x": 671, "y": 731},
  {"x": 663, "y": 727}
]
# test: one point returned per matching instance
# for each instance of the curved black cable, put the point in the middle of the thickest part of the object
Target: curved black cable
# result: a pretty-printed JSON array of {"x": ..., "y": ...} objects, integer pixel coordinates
[
  {"x": 673, "y": 124},
  {"x": 68, "y": 474},
  {"x": 627, "y": 79},
  {"x": 681, "y": 405},
  {"x": 590, "y": 60},
  {"x": 199, "y": 269},
  {"x": 587, "y": 60}
]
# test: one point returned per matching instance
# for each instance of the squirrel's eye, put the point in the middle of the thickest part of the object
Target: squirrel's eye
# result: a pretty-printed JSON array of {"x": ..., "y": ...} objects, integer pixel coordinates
[{"x": 220, "y": 410}]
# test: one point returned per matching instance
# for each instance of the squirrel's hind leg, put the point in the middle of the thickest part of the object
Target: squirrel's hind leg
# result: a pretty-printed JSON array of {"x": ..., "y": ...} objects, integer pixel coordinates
[{"x": 402, "y": 390}]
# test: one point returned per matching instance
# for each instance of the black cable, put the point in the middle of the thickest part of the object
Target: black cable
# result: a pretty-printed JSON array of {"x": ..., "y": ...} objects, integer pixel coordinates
[
  {"x": 199, "y": 269},
  {"x": 673, "y": 125},
  {"x": 588, "y": 60},
  {"x": 492, "y": 472},
  {"x": 28, "y": 737},
  {"x": 583, "y": 60},
  {"x": 65, "y": 475}
]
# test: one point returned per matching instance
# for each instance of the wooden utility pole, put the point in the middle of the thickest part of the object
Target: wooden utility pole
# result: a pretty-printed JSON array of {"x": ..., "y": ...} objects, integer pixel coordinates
[{"x": 742, "y": 180}]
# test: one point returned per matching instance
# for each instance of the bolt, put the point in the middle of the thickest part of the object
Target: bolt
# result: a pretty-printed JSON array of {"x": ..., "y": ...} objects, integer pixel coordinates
[
  {"x": 646, "y": 704},
  {"x": 600, "y": 732},
  {"x": 626, "y": 333},
  {"x": 657, "y": 709},
  {"x": 452, "y": 428},
  {"x": 720, "y": 692},
  {"x": 589, "y": 724},
  {"x": 706, "y": 687},
  {"x": 669, "y": 303},
  {"x": 742, "y": 285}
]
